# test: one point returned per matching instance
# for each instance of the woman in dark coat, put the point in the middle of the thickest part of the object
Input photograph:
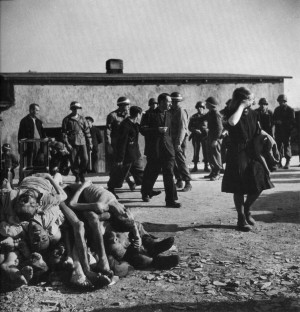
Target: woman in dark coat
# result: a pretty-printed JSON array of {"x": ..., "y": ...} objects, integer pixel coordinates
[{"x": 244, "y": 173}]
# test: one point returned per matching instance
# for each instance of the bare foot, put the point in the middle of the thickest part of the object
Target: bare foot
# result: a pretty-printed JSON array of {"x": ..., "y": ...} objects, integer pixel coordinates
[
  {"x": 27, "y": 272},
  {"x": 14, "y": 275},
  {"x": 97, "y": 279},
  {"x": 80, "y": 281},
  {"x": 38, "y": 262},
  {"x": 68, "y": 263}
]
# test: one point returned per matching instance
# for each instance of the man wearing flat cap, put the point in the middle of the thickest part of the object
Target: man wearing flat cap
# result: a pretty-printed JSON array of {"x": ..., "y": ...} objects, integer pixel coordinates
[
  {"x": 96, "y": 140},
  {"x": 265, "y": 116},
  {"x": 113, "y": 121},
  {"x": 214, "y": 138},
  {"x": 77, "y": 138},
  {"x": 284, "y": 120}
]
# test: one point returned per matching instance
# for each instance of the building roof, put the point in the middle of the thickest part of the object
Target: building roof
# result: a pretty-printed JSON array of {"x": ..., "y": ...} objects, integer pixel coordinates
[{"x": 140, "y": 78}]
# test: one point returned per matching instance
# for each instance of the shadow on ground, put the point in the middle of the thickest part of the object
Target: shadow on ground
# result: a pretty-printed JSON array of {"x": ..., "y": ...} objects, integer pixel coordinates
[
  {"x": 276, "y": 304},
  {"x": 283, "y": 207}
]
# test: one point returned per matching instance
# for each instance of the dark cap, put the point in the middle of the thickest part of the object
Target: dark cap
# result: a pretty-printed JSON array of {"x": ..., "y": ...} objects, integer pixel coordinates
[
  {"x": 212, "y": 101},
  {"x": 123, "y": 101},
  {"x": 263, "y": 101},
  {"x": 200, "y": 104},
  {"x": 135, "y": 110},
  {"x": 75, "y": 105},
  {"x": 176, "y": 96},
  {"x": 152, "y": 101},
  {"x": 282, "y": 98},
  {"x": 89, "y": 118}
]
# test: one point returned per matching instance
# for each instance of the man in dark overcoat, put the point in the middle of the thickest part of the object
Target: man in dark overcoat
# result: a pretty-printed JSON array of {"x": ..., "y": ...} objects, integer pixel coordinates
[{"x": 161, "y": 154}]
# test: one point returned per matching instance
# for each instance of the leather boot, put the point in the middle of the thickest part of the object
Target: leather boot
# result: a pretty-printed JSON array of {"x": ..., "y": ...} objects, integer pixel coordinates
[
  {"x": 287, "y": 164},
  {"x": 155, "y": 247},
  {"x": 187, "y": 187},
  {"x": 195, "y": 169}
]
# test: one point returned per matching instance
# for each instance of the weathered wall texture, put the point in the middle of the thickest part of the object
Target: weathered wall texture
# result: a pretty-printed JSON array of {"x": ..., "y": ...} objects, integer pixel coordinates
[{"x": 98, "y": 101}]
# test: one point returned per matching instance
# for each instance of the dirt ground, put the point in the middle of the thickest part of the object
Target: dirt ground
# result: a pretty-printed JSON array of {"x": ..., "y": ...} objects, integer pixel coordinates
[{"x": 221, "y": 269}]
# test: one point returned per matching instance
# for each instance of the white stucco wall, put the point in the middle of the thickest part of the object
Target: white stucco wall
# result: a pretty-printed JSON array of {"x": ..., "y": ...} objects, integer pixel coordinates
[{"x": 98, "y": 101}]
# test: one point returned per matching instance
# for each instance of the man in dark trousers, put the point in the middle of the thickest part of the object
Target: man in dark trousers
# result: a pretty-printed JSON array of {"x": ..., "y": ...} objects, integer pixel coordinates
[
  {"x": 179, "y": 133},
  {"x": 152, "y": 103},
  {"x": 214, "y": 141},
  {"x": 113, "y": 121},
  {"x": 161, "y": 154},
  {"x": 198, "y": 136},
  {"x": 128, "y": 155},
  {"x": 31, "y": 127},
  {"x": 265, "y": 116},
  {"x": 96, "y": 140},
  {"x": 77, "y": 138},
  {"x": 284, "y": 120}
]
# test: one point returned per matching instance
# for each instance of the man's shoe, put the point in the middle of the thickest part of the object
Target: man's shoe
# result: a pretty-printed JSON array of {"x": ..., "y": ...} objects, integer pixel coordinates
[
  {"x": 131, "y": 185},
  {"x": 146, "y": 198},
  {"x": 215, "y": 177},
  {"x": 154, "y": 193},
  {"x": 156, "y": 248},
  {"x": 208, "y": 176},
  {"x": 287, "y": 165},
  {"x": 165, "y": 262},
  {"x": 77, "y": 179},
  {"x": 206, "y": 169},
  {"x": 187, "y": 187},
  {"x": 113, "y": 192},
  {"x": 82, "y": 178},
  {"x": 195, "y": 169},
  {"x": 173, "y": 204},
  {"x": 179, "y": 184}
]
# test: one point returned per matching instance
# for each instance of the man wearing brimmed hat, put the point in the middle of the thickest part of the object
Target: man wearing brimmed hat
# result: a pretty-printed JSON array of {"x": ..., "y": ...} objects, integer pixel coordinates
[
  {"x": 265, "y": 116},
  {"x": 96, "y": 140},
  {"x": 161, "y": 154},
  {"x": 113, "y": 121},
  {"x": 198, "y": 136},
  {"x": 77, "y": 137},
  {"x": 179, "y": 133},
  {"x": 214, "y": 138},
  {"x": 284, "y": 120}
]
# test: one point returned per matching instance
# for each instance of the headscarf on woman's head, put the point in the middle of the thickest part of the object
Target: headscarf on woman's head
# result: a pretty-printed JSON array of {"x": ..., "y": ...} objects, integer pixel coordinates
[{"x": 238, "y": 96}]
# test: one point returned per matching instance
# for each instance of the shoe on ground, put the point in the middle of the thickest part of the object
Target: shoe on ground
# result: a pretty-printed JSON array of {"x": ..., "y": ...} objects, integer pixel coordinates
[
  {"x": 113, "y": 192},
  {"x": 173, "y": 204},
  {"x": 287, "y": 165},
  {"x": 215, "y": 177},
  {"x": 146, "y": 198},
  {"x": 131, "y": 185},
  {"x": 77, "y": 179},
  {"x": 82, "y": 178},
  {"x": 206, "y": 169},
  {"x": 195, "y": 169},
  {"x": 250, "y": 219},
  {"x": 157, "y": 248},
  {"x": 208, "y": 176},
  {"x": 154, "y": 193},
  {"x": 179, "y": 184},
  {"x": 187, "y": 187},
  {"x": 165, "y": 262}
]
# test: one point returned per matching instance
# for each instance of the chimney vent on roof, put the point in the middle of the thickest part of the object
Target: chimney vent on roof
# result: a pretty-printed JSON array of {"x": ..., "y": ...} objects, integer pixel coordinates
[{"x": 114, "y": 66}]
